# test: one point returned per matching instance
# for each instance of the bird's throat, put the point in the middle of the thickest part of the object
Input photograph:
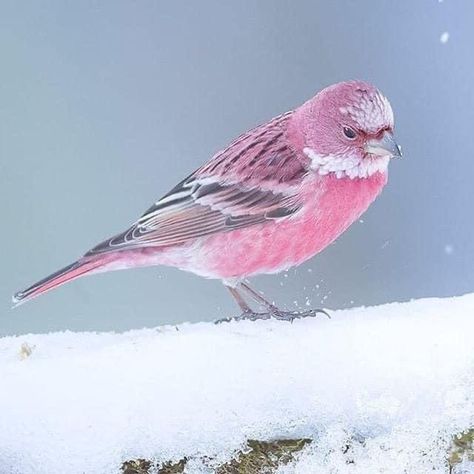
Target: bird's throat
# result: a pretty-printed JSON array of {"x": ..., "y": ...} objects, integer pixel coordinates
[{"x": 347, "y": 166}]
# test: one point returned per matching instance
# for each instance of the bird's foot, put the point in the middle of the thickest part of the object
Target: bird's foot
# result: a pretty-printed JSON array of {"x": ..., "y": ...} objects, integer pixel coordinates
[
  {"x": 289, "y": 316},
  {"x": 246, "y": 316}
]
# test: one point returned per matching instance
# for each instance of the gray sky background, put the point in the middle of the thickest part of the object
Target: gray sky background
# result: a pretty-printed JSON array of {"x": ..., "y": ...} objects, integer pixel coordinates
[{"x": 105, "y": 105}]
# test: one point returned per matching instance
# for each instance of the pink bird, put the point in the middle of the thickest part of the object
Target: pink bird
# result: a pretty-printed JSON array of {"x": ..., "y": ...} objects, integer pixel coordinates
[{"x": 277, "y": 195}]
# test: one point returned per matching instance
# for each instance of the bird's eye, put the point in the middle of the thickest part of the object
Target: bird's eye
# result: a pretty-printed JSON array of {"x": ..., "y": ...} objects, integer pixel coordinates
[{"x": 349, "y": 133}]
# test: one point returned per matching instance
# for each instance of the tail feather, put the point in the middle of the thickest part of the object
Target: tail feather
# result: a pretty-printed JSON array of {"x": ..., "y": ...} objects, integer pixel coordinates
[{"x": 66, "y": 274}]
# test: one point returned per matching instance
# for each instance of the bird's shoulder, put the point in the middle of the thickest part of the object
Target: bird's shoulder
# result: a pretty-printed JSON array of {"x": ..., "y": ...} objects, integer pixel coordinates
[{"x": 263, "y": 156}]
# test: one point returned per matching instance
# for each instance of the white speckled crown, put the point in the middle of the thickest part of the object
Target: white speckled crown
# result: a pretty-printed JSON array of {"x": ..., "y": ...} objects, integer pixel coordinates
[{"x": 372, "y": 112}]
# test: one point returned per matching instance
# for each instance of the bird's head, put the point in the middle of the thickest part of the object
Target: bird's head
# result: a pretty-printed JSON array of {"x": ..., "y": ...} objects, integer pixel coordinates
[{"x": 347, "y": 130}]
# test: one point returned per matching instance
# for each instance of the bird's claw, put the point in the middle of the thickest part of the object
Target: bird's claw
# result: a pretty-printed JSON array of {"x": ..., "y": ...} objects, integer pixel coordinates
[
  {"x": 289, "y": 316},
  {"x": 246, "y": 315}
]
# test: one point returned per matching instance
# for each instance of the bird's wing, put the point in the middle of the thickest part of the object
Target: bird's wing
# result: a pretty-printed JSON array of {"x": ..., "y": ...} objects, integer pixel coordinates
[{"x": 256, "y": 179}]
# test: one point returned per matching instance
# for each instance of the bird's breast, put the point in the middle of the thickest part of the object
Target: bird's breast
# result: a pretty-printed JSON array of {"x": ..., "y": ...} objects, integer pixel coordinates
[
  {"x": 329, "y": 206},
  {"x": 339, "y": 202}
]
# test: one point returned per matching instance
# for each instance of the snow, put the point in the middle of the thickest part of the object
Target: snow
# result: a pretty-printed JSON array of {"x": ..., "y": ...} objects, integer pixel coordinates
[
  {"x": 448, "y": 249},
  {"x": 392, "y": 383},
  {"x": 444, "y": 37}
]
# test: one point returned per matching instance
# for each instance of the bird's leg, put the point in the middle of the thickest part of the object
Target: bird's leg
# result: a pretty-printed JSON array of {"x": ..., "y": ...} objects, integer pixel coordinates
[
  {"x": 247, "y": 312},
  {"x": 257, "y": 297},
  {"x": 276, "y": 312},
  {"x": 271, "y": 309}
]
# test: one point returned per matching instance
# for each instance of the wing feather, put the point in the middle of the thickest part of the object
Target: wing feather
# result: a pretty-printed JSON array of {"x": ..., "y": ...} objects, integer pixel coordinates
[{"x": 253, "y": 181}]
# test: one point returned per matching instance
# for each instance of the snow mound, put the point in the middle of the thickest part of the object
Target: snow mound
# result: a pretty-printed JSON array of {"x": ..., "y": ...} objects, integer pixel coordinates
[{"x": 379, "y": 389}]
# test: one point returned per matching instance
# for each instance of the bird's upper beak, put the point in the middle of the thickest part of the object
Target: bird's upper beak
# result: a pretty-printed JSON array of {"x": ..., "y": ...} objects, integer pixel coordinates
[{"x": 385, "y": 146}]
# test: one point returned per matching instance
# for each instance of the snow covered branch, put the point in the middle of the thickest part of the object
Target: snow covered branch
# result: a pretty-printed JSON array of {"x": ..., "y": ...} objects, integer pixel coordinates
[{"x": 372, "y": 389}]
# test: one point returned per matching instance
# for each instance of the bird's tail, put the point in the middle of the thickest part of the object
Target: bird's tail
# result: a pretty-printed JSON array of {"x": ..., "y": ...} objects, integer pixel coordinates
[{"x": 75, "y": 270}]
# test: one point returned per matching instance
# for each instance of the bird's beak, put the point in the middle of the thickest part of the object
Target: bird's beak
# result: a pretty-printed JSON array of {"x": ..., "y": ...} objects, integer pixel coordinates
[{"x": 385, "y": 146}]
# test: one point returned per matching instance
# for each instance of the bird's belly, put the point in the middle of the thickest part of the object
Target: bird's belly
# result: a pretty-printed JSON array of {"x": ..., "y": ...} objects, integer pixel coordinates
[{"x": 278, "y": 245}]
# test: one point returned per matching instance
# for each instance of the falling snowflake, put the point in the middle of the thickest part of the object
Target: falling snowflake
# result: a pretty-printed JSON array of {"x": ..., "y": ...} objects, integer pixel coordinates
[
  {"x": 444, "y": 37},
  {"x": 448, "y": 249}
]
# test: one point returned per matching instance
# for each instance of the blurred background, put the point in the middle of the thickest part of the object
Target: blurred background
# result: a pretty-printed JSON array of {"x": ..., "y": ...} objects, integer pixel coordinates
[{"x": 105, "y": 105}]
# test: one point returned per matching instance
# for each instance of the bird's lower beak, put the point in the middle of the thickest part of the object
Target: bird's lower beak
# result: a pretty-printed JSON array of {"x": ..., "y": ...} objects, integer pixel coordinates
[{"x": 385, "y": 146}]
